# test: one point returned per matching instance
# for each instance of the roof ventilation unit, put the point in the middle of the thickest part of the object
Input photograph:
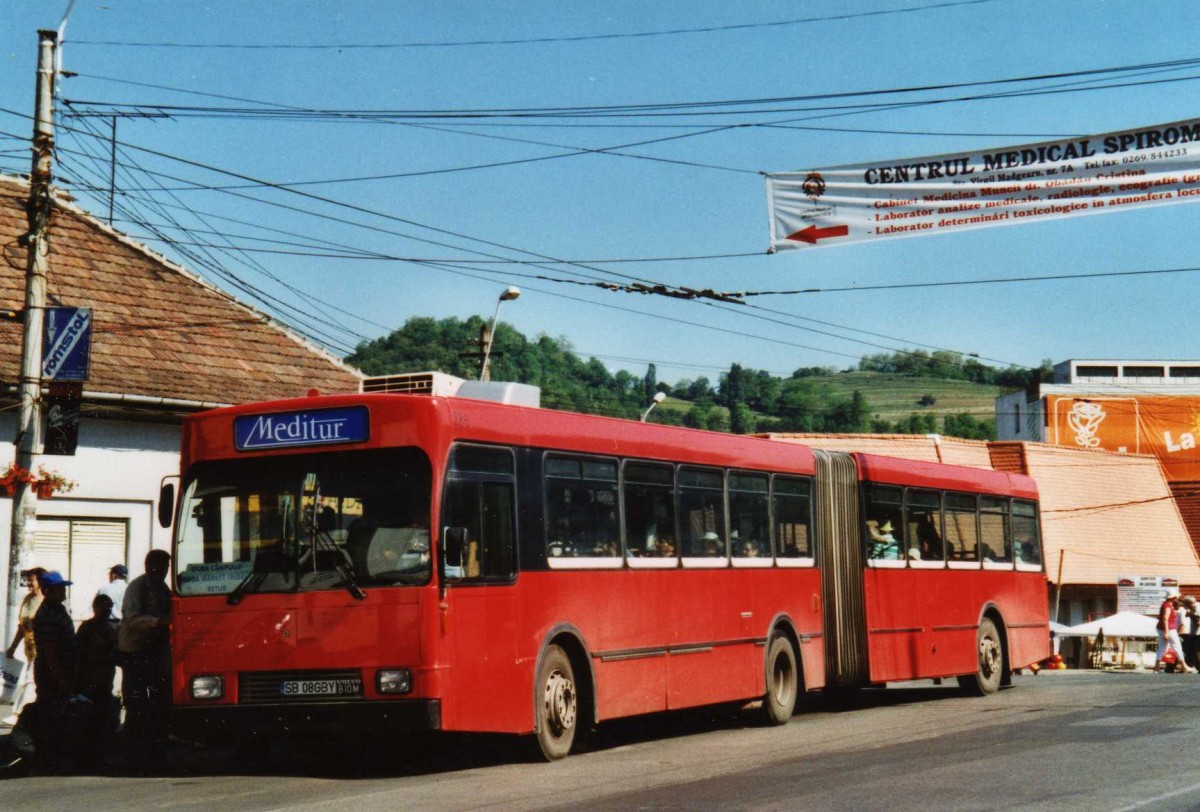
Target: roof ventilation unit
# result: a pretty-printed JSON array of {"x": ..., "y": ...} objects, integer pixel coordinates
[{"x": 439, "y": 384}]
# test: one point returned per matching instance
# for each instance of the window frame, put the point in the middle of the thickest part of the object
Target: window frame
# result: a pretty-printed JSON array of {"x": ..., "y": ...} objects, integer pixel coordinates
[
  {"x": 1005, "y": 514},
  {"x": 650, "y": 562},
  {"x": 452, "y": 476},
  {"x": 1024, "y": 566},
  {"x": 946, "y": 511},
  {"x": 763, "y": 560},
  {"x": 865, "y": 533},
  {"x": 702, "y": 562},
  {"x": 923, "y": 563},
  {"x": 795, "y": 562},
  {"x": 582, "y": 562}
]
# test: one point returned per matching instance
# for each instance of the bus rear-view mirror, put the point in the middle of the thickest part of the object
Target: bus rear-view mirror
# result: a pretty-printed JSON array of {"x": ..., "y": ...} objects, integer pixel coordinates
[{"x": 166, "y": 504}]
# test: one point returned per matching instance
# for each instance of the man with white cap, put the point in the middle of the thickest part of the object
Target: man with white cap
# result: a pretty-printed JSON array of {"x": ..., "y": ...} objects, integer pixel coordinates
[{"x": 115, "y": 588}]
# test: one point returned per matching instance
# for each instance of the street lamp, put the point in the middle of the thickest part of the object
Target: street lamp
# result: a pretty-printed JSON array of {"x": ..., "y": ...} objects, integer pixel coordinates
[
  {"x": 659, "y": 397},
  {"x": 507, "y": 296}
]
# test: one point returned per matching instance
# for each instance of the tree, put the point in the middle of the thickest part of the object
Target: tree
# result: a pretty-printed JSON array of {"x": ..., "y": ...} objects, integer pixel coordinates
[
  {"x": 742, "y": 420},
  {"x": 650, "y": 384}
]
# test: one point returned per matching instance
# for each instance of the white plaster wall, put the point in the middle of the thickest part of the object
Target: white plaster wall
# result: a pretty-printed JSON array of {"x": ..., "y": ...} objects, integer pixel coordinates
[{"x": 119, "y": 466}]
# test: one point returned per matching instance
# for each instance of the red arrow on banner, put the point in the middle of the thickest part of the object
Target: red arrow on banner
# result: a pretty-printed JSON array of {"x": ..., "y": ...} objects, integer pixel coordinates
[{"x": 811, "y": 234}]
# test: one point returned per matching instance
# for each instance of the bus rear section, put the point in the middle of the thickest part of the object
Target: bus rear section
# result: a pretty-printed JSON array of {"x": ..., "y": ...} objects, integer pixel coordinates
[{"x": 930, "y": 571}]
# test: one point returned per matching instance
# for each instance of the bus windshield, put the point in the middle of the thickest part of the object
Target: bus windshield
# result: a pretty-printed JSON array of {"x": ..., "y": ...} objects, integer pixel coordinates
[{"x": 304, "y": 523}]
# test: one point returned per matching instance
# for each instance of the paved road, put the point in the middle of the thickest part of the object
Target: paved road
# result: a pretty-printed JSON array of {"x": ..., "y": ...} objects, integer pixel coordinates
[{"x": 1066, "y": 741}]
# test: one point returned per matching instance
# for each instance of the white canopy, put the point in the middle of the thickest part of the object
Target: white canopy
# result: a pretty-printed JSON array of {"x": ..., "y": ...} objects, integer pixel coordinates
[{"x": 1122, "y": 624}]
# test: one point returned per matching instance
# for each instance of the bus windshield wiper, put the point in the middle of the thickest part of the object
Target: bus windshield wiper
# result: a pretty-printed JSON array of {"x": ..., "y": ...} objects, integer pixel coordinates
[{"x": 322, "y": 541}]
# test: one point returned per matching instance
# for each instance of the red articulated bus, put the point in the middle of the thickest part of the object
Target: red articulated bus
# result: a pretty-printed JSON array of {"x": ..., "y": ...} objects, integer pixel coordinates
[{"x": 444, "y": 563}]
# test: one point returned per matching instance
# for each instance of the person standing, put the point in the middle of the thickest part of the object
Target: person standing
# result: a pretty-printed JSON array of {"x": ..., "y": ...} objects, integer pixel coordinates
[
  {"x": 54, "y": 674},
  {"x": 1168, "y": 634},
  {"x": 54, "y": 638},
  {"x": 1189, "y": 632},
  {"x": 96, "y": 672},
  {"x": 118, "y": 577},
  {"x": 145, "y": 655},
  {"x": 26, "y": 690}
]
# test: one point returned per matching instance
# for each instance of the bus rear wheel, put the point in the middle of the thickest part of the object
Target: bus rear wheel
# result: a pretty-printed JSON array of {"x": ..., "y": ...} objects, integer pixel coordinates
[
  {"x": 558, "y": 705},
  {"x": 989, "y": 656},
  {"x": 783, "y": 683}
]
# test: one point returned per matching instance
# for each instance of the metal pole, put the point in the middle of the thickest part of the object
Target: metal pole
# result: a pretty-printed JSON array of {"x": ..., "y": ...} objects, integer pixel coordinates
[
  {"x": 1058, "y": 585},
  {"x": 486, "y": 337},
  {"x": 24, "y": 501},
  {"x": 112, "y": 171}
]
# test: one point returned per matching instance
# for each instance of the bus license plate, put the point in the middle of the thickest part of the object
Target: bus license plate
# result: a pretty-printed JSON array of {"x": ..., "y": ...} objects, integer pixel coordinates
[{"x": 320, "y": 687}]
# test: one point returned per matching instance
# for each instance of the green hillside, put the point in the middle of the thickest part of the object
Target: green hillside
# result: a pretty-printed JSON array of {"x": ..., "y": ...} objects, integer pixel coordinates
[{"x": 893, "y": 396}]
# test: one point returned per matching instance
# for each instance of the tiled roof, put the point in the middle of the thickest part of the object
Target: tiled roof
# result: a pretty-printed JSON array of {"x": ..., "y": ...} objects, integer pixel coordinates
[
  {"x": 1108, "y": 514},
  {"x": 1111, "y": 514},
  {"x": 1187, "y": 499},
  {"x": 921, "y": 447},
  {"x": 160, "y": 331}
]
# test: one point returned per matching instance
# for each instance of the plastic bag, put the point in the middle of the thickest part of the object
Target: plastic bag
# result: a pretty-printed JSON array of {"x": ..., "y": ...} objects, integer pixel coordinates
[{"x": 12, "y": 669}]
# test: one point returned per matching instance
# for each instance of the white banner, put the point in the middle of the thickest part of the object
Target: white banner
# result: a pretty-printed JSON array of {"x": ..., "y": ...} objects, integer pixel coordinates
[
  {"x": 1144, "y": 594},
  {"x": 1152, "y": 166}
]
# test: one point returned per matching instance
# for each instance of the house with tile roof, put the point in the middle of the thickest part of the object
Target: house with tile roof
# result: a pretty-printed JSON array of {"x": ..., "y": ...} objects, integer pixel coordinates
[
  {"x": 1104, "y": 514},
  {"x": 165, "y": 343}
]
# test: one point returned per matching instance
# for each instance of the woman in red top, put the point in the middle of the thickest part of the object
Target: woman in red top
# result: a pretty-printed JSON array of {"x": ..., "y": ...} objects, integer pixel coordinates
[{"x": 1168, "y": 635}]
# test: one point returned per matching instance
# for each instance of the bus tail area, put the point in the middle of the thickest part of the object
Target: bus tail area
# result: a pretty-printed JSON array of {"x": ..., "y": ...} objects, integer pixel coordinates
[{"x": 445, "y": 563}]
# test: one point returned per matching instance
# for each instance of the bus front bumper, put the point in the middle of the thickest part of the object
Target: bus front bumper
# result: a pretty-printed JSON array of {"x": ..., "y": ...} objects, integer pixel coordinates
[{"x": 216, "y": 723}]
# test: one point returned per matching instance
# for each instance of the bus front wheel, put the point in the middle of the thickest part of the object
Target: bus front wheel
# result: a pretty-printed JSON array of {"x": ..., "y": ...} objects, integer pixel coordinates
[
  {"x": 558, "y": 705},
  {"x": 989, "y": 657},
  {"x": 782, "y": 682}
]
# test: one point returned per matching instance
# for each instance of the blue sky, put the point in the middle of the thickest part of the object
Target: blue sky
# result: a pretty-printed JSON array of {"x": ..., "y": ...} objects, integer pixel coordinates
[{"x": 603, "y": 206}]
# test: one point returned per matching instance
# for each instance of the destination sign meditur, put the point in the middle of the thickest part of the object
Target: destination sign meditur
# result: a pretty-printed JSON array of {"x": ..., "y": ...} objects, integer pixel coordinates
[
  {"x": 945, "y": 193},
  {"x": 349, "y": 424}
]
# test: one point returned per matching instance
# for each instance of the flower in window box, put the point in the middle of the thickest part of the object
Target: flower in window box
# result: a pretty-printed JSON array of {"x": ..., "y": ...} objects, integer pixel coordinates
[
  {"x": 49, "y": 483},
  {"x": 11, "y": 475}
]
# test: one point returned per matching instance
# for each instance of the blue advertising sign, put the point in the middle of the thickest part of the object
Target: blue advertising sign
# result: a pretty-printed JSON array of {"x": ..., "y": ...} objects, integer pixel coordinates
[
  {"x": 66, "y": 343},
  {"x": 256, "y": 432}
]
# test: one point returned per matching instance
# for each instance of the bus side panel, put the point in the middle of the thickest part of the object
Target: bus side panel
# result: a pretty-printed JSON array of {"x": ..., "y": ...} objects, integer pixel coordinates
[
  {"x": 631, "y": 687},
  {"x": 1026, "y": 617},
  {"x": 693, "y": 594},
  {"x": 485, "y": 687},
  {"x": 620, "y": 614},
  {"x": 895, "y": 634}
]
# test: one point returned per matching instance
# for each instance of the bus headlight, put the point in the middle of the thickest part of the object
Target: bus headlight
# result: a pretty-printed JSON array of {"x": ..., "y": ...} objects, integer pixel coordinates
[
  {"x": 208, "y": 686},
  {"x": 393, "y": 681}
]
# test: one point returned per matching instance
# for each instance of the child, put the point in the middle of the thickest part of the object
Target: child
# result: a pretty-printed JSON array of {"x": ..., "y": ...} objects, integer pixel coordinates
[{"x": 97, "y": 638}]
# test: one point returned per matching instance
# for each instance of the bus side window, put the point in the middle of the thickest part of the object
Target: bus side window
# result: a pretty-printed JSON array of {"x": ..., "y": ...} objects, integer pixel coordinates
[
  {"x": 884, "y": 535},
  {"x": 1027, "y": 548},
  {"x": 649, "y": 510},
  {"x": 994, "y": 536},
  {"x": 792, "y": 513},
  {"x": 924, "y": 525},
  {"x": 749, "y": 516},
  {"x": 701, "y": 497},
  {"x": 581, "y": 508},
  {"x": 962, "y": 532},
  {"x": 481, "y": 497}
]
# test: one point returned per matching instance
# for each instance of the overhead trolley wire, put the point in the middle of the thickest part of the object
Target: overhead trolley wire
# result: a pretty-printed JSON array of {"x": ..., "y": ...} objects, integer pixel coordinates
[
  {"x": 210, "y": 263},
  {"x": 660, "y": 108},
  {"x": 539, "y": 40}
]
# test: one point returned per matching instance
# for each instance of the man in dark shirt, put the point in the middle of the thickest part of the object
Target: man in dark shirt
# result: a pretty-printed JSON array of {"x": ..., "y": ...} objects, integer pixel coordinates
[
  {"x": 54, "y": 636},
  {"x": 144, "y": 644},
  {"x": 54, "y": 676}
]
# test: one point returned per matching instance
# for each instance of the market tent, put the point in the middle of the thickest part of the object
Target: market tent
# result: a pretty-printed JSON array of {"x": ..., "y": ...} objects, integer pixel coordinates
[{"x": 1122, "y": 624}]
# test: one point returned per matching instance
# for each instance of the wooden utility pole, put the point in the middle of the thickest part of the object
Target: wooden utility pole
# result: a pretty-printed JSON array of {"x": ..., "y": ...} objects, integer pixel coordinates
[{"x": 37, "y": 246}]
